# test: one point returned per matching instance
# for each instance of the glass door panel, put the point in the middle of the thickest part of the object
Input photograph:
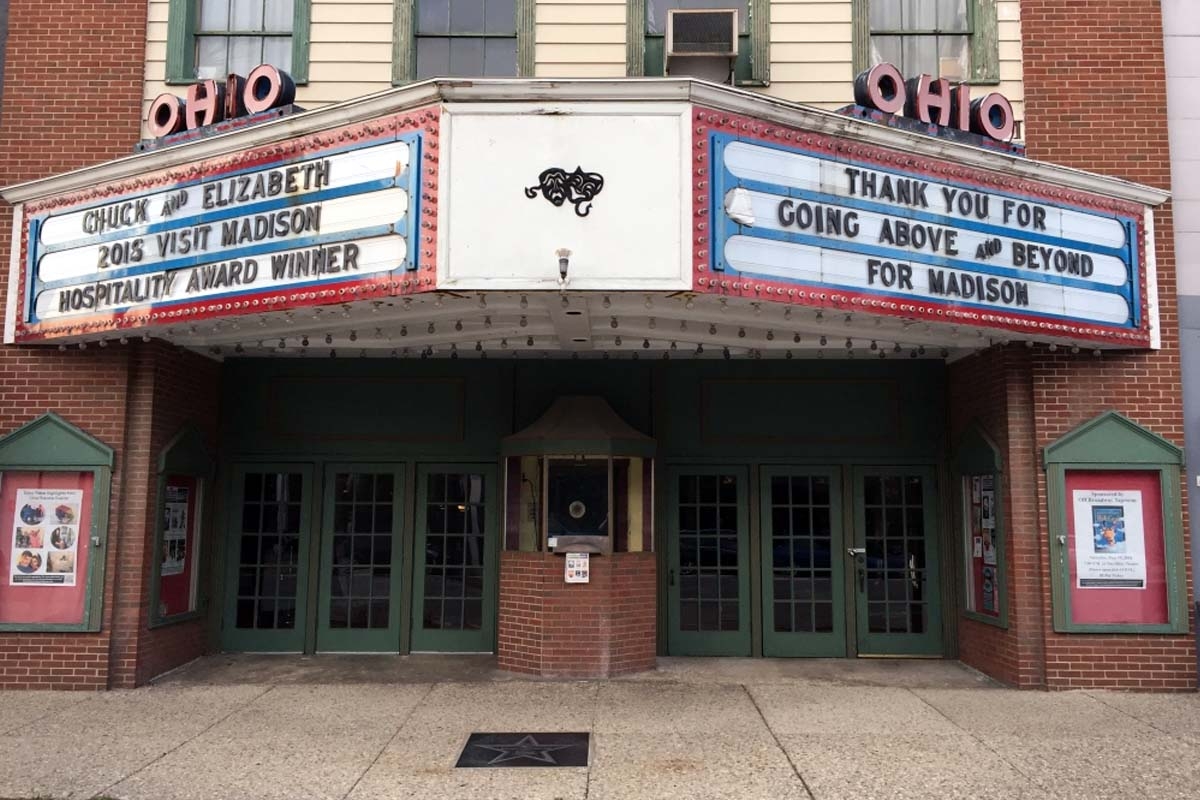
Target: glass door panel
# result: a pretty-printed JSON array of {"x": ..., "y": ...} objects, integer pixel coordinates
[
  {"x": 454, "y": 597},
  {"x": 898, "y": 592},
  {"x": 708, "y": 571},
  {"x": 268, "y": 558},
  {"x": 359, "y": 607},
  {"x": 802, "y": 562}
]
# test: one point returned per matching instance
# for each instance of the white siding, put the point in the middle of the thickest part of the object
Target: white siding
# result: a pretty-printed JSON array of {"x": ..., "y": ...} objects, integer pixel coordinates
[
  {"x": 580, "y": 39},
  {"x": 351, "y": 48}
]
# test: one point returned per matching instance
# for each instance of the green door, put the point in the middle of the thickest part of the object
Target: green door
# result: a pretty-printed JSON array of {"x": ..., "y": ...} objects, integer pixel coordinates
[
  {"x": 708, "y": 572},
  {"x": 268, "y": 541},
  {"x": 897, "y": 588},
  {"x": 803, "y": 562},
  {"x": 359, "y": 603},
  {"x": 454, "y": 589}
]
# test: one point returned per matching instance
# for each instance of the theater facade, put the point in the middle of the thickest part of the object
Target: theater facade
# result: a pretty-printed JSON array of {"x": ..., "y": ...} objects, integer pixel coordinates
[{"x": 584, "y": 373}]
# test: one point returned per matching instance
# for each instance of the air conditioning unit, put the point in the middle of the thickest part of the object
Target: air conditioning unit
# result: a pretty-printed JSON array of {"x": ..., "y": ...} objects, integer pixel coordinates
[{"x": 701, "y": 42}]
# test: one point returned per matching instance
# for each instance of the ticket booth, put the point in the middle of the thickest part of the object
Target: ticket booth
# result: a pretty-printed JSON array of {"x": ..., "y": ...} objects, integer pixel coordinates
[{"x": 577, "y": 578}]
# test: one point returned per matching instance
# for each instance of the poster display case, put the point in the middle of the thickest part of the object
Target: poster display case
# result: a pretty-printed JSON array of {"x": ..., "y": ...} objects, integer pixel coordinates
[
  {"x": 1116, "y": 536},
  {"x": 185, "y": 467},
  {"x": 978, "y": 463},
  {"x": 54, "y": 488}
]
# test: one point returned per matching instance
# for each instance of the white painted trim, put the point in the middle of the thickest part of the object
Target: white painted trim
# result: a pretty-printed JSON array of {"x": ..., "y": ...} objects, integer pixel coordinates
[
  {"x": 1152, "y": 284},
  {"x": 14, "y": 276},
  {"x": 624, "y": 90}
]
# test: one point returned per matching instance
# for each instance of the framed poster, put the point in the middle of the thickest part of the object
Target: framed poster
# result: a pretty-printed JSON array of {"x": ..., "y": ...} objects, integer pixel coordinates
[
  {"x": 1116, "y": 547},
  {"x": 44, "y": 564},
  {"x": 981, "y": 545},
  {"x": 178, "y": 543}
]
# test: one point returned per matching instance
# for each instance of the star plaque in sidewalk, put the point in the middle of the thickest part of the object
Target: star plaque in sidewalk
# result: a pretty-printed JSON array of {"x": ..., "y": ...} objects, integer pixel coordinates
[{"x": 525, "y": 750}]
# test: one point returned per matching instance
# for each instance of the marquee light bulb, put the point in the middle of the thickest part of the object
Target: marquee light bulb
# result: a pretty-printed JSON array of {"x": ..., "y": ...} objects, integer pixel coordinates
[
  {"x": 796, "y": 338},
  {"x": 524, "y": 301},
  {"x": 487, "y": 322},
  {"x": 529, "y": 342},
  {"x": 689, "y": 304},
  {"x": 458, "y": 325},
  {"x": 712, "y": 330},
  {"x": 430, "y": 328},
  {"x": 770, "y": 336},
  {"x": 304, "y": 341},
  {"x": 404, "y": 330},
  {"x": 612, "y": 323},
  {"x": 329, "y": 338},
  {"x": 354, "y": 336},
  {"x": 607, "y": 303},
  {"x": 741, "y": 333},
  {"x": 524, "y": 321},
  {"x": 874, "y": 345},
  {"x": 645, "y": 344},
  {"x": 824, "y": 341}
]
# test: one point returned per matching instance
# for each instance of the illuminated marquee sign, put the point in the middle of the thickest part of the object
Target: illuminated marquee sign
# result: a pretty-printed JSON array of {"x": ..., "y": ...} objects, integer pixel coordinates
[
  {"x": 296, "y": 230},
  {"x": 864, "y": 234}
]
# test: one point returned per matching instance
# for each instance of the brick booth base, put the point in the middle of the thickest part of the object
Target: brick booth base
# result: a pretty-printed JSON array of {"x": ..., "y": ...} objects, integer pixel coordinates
[{"x": 593, "y": 630}]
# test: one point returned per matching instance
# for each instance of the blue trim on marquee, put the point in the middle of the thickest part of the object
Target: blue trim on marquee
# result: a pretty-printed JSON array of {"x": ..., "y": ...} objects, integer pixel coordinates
[
  {"x": 723, "y": 228},
  {"x": 406, "y": 225}
]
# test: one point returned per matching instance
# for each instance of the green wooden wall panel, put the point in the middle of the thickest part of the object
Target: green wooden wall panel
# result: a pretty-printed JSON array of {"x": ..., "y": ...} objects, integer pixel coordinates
[{"x": 810, "y": 410}]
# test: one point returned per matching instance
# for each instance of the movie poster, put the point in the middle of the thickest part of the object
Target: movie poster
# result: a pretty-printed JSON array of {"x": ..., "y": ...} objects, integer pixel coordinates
[
  {"x": 175, "y": 527},
  {"x": 1110, "y": 543},
  {"x": 45, "y": 540}
]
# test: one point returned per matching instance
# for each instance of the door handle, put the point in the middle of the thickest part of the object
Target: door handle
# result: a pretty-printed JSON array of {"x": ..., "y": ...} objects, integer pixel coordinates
[{"x": 856, "y": 551}]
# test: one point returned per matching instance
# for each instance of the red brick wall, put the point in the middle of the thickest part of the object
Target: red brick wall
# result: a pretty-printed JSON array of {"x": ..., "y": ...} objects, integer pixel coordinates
[
  {"x": 1095, "y": 98},
  {"x": 554, "y": 629},
  {"x": 72, "y": 97}
]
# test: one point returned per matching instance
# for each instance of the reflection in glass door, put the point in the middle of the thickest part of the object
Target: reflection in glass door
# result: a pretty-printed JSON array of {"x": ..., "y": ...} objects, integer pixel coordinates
[
  {"x": 896, "y": 572},
  {"x": 454, "y": 591},
  {"x": 708, "y": 568},
  {"x": 360, "y": 566},
  {"x": 268, "y": 559},
  {"x": 803, "y": 562}
]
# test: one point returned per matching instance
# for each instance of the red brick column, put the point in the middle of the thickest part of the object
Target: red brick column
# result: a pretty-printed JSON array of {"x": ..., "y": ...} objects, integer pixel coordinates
[
  {"x": 595, "y": 630},
  {"x": 73, "y": 97},
  {"x": 1095, "y": 98}
]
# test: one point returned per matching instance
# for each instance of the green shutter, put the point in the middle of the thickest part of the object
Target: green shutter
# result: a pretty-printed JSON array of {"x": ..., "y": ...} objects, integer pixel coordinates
[
  {"x": 403, "y": 51},
  {"x": 985, "y": 43},
  {"x": 181, "y": 55},
  {"x": 301, "y": 18},
  {"x": 760, "y": 42},
  {"x": 860, "y": 27},
  {"x": 526, "y": 15},
  {"x": 635, "y": 38}
]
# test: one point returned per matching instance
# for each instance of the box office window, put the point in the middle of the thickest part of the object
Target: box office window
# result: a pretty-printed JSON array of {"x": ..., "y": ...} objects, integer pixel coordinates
[
  {"x": 208, "y": 39},
  {"x": 53, "y": 519},
  {"x": 954, "y": 39}
]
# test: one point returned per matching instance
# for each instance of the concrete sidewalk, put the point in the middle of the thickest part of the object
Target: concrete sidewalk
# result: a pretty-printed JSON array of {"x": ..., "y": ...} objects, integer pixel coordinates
[{"x": 387, "y": 727}]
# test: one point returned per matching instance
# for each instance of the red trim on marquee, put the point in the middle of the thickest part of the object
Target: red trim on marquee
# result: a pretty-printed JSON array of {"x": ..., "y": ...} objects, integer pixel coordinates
[
  {"x": 399, "y": 283},
  {"x": 707, "y": 121}
]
